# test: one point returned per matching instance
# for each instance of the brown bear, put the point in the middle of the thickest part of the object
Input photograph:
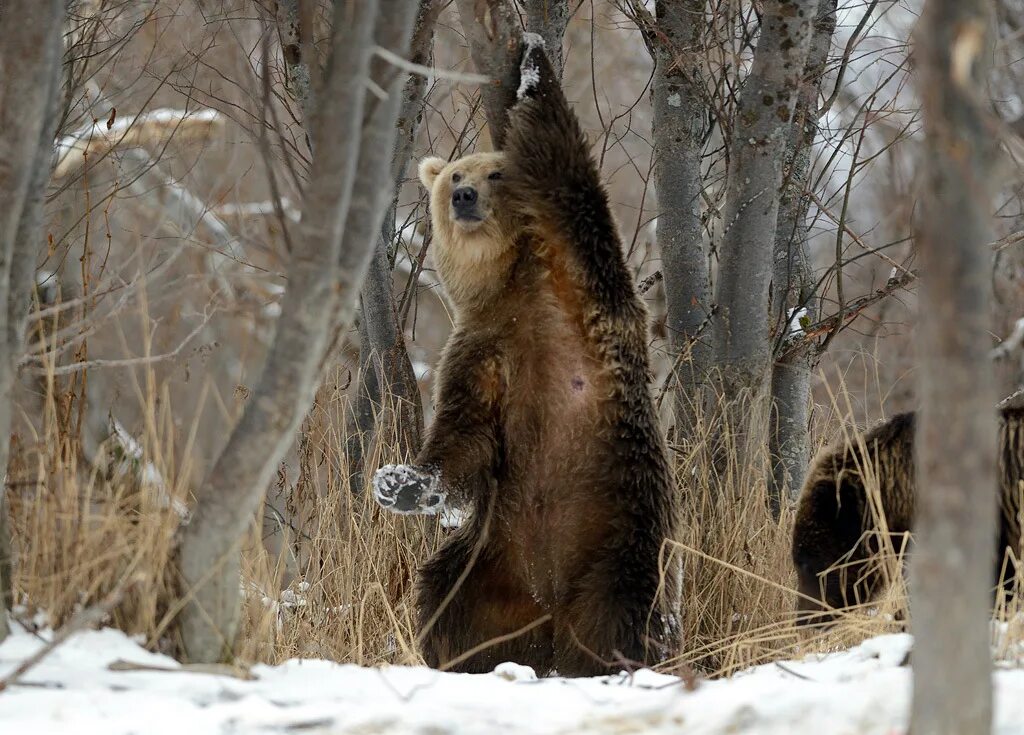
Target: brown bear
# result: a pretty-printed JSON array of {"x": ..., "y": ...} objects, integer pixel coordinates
[
  {"x": 545, "y": 429},
  {"x": 836, "y": 533}
]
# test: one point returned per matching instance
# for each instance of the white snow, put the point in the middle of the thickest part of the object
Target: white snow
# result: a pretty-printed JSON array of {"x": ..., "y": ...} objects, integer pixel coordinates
[
  {"x": 794, "y": 323},
  {"x": 864, "y": 691}
]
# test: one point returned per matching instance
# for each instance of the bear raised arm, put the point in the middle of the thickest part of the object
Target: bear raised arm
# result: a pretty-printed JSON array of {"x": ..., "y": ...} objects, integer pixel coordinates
[{"x": 547, "y": 153}]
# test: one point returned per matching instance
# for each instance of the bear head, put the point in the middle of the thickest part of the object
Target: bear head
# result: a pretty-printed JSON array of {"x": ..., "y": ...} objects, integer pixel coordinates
[{"x": 474, "y": 241}]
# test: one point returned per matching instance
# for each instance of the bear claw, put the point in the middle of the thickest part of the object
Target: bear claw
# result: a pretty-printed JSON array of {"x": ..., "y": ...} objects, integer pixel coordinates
[{"x": 408, "y": 490}]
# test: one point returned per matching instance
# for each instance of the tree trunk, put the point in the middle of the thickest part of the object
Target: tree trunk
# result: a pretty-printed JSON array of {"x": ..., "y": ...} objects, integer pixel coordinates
[
  {"x": 793, "y": 282},
  {"x": 30, "y": 67},
  {"x": 548, "y": 19},
  {"x": 680, "y": 124},
  {"x": 353, "y": 135},
  {"x": 385, "y": 368},
  {"x": 742, "y": 343},
  {"x": 493, "y": 30},
  {"x": 956, "y": 439}
]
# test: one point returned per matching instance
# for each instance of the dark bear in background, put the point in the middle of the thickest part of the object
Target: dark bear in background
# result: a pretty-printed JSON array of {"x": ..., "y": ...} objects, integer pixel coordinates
[
  {"x": 836, "y": 527},
  {"x": 545, "y": 427}
]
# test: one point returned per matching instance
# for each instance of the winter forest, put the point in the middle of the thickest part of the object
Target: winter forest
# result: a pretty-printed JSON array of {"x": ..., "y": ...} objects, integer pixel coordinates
[{"x": 348, "y": 384}]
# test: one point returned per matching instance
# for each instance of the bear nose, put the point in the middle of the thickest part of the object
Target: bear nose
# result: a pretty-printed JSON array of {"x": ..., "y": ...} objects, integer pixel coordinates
[{"x": 464, "y": 198}]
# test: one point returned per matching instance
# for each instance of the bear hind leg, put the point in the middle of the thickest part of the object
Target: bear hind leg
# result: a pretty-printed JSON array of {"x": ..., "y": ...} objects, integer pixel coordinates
[
  {"x": 618, "y": 618},
  {"x": 474, "y": 622}
]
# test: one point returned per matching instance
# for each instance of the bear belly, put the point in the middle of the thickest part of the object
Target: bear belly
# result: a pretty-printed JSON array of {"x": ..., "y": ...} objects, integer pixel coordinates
[{"x": 558, "y": 510}]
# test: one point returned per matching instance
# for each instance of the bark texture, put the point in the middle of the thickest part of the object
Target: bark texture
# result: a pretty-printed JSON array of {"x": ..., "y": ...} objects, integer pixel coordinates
[
  {"x": 680, "y": 124},
  {"x": 548, "y": 18},
  {"x": 793, "y": 283},
  {"x": 353, "y": 135},
  {"x": 951, "y": 581},
  {"x": 388, "y": 391},
  {"x": 742, "y": 344},
  {"x": 493, "y": 30},
  {"x": 30, "y": 78}
]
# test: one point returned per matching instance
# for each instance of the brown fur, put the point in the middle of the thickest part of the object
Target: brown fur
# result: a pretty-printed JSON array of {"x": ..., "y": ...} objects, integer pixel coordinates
[
  {"x": 836, "y": 534},
  {"x": 544, "y": 425}
]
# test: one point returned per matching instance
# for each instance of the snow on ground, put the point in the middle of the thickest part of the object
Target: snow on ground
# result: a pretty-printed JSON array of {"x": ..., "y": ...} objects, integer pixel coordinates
[{"x": 864, "y": 690}]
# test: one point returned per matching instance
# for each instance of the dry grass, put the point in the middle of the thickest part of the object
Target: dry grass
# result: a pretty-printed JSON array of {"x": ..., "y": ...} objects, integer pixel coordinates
[{"x": 336, "y": 582}]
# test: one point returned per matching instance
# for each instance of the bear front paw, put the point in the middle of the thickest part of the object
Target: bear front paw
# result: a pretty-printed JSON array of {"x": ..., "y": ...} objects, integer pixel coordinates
[{"x": 406, "y": 489}]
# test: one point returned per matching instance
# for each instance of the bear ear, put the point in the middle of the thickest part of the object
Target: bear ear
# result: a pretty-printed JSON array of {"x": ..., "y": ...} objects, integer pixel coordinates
[{"x": 430, "y": 167}]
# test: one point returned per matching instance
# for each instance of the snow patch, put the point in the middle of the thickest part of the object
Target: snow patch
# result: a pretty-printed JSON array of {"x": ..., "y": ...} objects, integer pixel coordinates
[
  {"x": 515, "y": 672},
  {"x": 795, "y": 320},
  {"x": 674, "y": 100},
  {"x": 103, "y": 682}
]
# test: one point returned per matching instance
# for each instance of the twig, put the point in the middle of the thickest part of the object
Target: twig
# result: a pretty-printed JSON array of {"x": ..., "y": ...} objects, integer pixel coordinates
[
  {"x": 127, "y": 362},
  {"x": 793, "y": 673},
  {"x": 426, "y": 71},
  {"x": 832, "y": 324},
  {"x": 847, "y": 52},
  {"x": 211, "y": 669},
  {"x": 823, "y": 208}
]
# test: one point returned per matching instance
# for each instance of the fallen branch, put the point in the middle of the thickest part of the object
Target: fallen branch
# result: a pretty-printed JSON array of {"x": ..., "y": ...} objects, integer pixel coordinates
[
  {"x": 83, "y": 619},
  {"x": 149, "y": 129},
  {"x": 212, "y": 669}
]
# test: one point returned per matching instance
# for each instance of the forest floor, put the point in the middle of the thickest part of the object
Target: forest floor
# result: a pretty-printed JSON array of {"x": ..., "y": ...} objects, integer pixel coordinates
[{"x": 103, "y": 682}]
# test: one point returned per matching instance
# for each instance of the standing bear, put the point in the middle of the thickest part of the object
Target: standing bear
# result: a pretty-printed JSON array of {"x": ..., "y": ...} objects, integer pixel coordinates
[
  {"x": 837, "y": 527},
  {"x": 545, "y": 428}
]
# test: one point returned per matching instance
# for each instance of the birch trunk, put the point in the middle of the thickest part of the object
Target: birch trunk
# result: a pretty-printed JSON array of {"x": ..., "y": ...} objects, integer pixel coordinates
[
  {"x": 680, "y": 123},
  {"x": 353, "y": 135},
  {"x": 951, "y": 573},
  {"x": 793, "y": 283},
  {"x": 742, "y": 344},
  {"x": 30, "y": 70}
]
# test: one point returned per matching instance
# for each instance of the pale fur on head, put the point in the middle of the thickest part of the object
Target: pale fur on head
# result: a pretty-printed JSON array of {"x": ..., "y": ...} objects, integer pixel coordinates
[{"x": 472, "y": 258}]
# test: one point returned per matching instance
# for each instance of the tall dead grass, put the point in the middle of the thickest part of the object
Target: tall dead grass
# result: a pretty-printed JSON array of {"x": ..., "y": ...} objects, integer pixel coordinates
[{"x": 336, "y": 583}]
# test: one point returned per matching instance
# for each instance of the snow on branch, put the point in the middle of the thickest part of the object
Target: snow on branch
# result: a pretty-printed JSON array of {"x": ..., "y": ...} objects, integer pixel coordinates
[
  {"x": 1011, "y": 344},
  {"x": 148, "y": 129}
]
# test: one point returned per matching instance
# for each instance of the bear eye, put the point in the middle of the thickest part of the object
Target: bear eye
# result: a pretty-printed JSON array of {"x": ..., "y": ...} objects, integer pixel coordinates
[
  {"x": 494, "y": 175},
  {"x": 456, "y": 178}
]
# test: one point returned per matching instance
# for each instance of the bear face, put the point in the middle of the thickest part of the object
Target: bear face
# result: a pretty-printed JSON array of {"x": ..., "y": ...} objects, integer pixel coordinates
[{"x": 473, "y": 244}]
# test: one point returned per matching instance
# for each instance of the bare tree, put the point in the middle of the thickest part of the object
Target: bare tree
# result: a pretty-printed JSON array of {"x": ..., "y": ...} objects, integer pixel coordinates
[
  {"x": 674, "y": 37},
  {"x": 492, "y": 29},
  {"x": 793, "y": 281},
  {"x": 384, "y": 365},
  {"x": 956, "y": 440},
  {"x": 352, "y": 132},
  {"x": 30, "y": 67},
  {"x": 742, "y": 346}
]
